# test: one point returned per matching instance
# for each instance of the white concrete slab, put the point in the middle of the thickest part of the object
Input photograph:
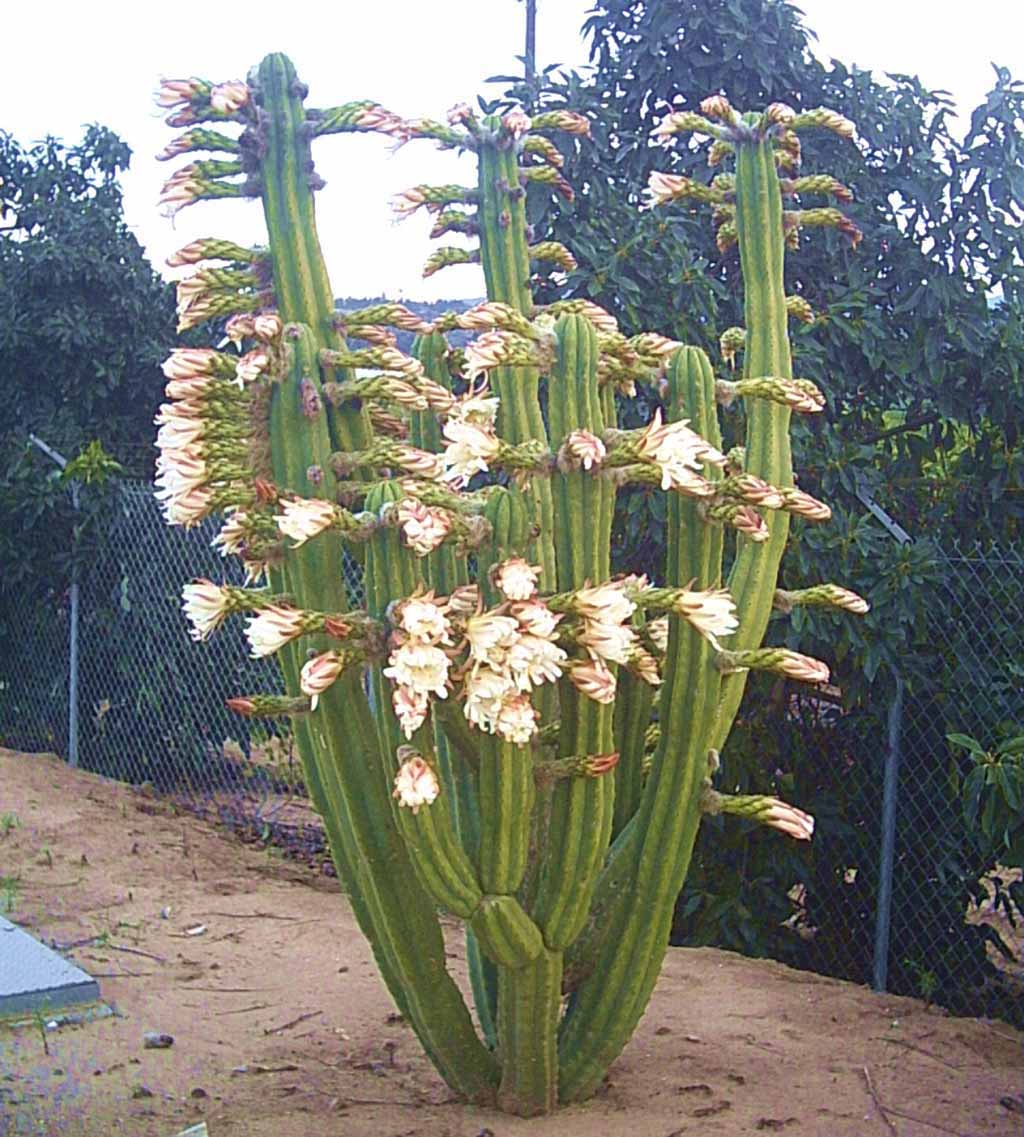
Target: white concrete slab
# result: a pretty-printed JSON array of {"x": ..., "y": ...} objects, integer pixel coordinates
[{"x": 34, "y": 977}]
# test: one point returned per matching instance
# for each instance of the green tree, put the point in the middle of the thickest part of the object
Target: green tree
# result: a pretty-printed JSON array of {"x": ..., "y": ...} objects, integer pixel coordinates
[
  {"x": 84, "y": 324},
  {"x": 919, "y": 334}
]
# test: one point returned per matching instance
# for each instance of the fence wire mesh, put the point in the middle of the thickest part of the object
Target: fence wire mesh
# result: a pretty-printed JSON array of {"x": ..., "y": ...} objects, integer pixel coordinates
[{"x": 152, "y": 710}]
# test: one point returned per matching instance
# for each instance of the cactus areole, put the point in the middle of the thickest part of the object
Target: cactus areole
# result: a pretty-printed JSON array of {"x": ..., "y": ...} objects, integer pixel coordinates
[{"x": 502, "y": 731}]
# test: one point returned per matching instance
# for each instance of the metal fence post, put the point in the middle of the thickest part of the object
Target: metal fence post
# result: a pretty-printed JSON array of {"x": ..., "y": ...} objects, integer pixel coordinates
[
  {"x": 883, "y": 913},
  {"x": 56, "y": 456},
  {"x": 73, "y": 646}
]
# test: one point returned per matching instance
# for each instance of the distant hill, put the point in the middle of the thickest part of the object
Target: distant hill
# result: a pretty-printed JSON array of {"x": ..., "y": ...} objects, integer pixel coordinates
[{"x": 428, "y": 309}]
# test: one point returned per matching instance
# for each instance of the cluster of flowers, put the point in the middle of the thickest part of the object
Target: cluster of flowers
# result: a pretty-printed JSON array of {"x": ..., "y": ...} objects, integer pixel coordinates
[
  {"x": 203, "y": 435},
  {"x": 509, "y": 651},
  {"x": 201, "y": 418}
]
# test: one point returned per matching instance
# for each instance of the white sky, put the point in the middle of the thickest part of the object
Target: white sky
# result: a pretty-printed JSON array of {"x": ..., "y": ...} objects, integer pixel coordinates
[{"x": 67, "y": 64}]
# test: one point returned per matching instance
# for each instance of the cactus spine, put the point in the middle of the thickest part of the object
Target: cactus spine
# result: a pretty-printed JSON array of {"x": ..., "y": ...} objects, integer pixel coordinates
[{"x": 502, "y": 730}]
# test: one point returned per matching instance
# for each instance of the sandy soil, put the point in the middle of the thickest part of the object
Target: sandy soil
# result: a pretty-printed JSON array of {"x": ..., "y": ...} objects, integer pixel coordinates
[{"x": 282, "y": 1028}]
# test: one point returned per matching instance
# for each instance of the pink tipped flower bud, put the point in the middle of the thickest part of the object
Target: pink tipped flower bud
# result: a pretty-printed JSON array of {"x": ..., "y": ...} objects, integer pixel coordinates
[
  {"x": 779, "y": 114},
  {"x": 517, "y": 123},
  {"x": 241, "y": 705},
  {"x": 407, "y": 202},
  {"x": 267, "y": 326},
  {"x": 788, "y": 819},
  {"x": 718, "y": 106},
  {"x": 750, "y": 523},
  {"x": 460, "y": 113},
  {"x": 319, "y": 673},
  {"x": 804, "y": 505},
  {"x": 416, "y": 784},
  {"x": 272, "y": 628},
  {"x": 206, "y": 605},
  {"x": 226, "y": 98},
  {"x": 585, "y": 449},
  {"x": 594, "y": 680},
  {"x": 251, "y": 366},
  {"x": 802, "y": 667}
]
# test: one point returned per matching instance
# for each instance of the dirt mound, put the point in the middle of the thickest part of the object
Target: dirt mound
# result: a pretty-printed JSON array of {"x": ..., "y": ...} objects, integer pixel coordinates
[{"x": 256, "y": 968}]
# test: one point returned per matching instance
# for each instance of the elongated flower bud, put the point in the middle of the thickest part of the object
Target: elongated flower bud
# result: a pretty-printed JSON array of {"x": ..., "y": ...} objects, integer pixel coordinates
[
  {"x": 821, "y": 596},
  {"x": 319, "y": 673}
]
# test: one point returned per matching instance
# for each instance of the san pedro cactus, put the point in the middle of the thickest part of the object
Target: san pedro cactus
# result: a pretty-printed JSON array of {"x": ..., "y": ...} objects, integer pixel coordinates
[{"x": 502, "y": 731}]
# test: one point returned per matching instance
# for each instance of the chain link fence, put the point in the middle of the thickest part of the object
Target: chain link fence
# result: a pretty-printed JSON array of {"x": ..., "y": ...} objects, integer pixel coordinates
[{"x": 896, "y": 890}]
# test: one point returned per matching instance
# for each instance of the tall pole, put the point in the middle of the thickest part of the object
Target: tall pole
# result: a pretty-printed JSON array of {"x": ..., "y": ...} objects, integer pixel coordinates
[
  {"x": 61, "y": 461},
  {"x": 530, "y": 55},
  {"x": 883, "y": 912}
]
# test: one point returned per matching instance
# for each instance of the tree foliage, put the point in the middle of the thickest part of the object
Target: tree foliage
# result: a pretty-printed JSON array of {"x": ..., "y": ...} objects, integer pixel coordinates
[
  {"x": 918, "y": 338},
  {"x": 84, "y": 324}
]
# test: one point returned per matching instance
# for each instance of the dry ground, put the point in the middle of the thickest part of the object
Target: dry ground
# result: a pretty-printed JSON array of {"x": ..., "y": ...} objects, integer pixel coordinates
[{"x": 282, "y": 1028}]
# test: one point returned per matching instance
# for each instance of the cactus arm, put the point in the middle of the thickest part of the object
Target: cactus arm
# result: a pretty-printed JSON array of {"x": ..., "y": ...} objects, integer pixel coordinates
[
  {"x": 632, "y": 716},
  {"x": 301, "y": 283},
  {"x": 658, "y": 844},
  {"x": 505, "y": 257},
  {"x": 755, "y": 570},
  {"x": 529, "y": 1000},
  {"x": 581, "y": 808},
  {"x": 402, "y": 923}
]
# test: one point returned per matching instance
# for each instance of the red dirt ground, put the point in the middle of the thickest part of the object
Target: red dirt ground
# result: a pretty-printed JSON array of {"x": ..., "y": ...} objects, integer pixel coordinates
[{"x": 282, "y": 1028}]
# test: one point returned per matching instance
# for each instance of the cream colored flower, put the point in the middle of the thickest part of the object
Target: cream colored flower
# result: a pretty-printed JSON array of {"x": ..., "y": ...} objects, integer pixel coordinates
[
  {"x": 319, "y": 673},
  {"x": 490, "y": 637},
  {"x": 424, "y": 620},
  {"x": 484, "y": 695},
  {"x": 535, "y": 618},
  {"x": 188, "y": 507},
  {"x": 272, "y": 628},
  {"x": 416, "y": 784},
  {"x": 712, "y": 612},
  {"x": 478, "y": 409},
  {"x": 232, "y": 536},
  {"x": 534, "y": 660},
  {"x": 679, "y": 453},
  {"x": 420, "y": 666},
  {"x": 612, "y": 642},
  {"x": 252, "y": 365},
  {"x": 605, "y": 603},
  {"x": 516, "y": 579},
  {"x": 206, "y": 605},
  {"x": 517, "y": 720},
  {"x": 304, "y": 518},
  {"x": 468, "y": 451}
]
